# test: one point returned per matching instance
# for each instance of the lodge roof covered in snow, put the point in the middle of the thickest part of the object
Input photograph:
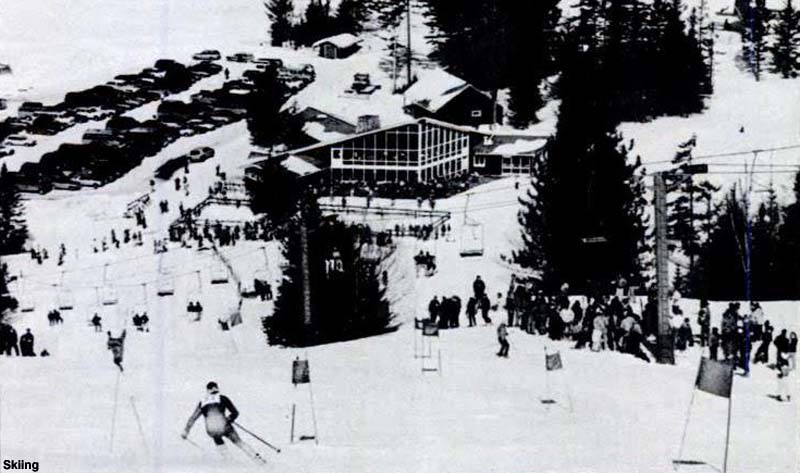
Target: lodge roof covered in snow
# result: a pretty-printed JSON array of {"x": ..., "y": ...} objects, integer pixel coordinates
[
  {"x": 510, "y": 145},
  {"x": 435, "y": 88},
  {"x": 341, "y": 41}
]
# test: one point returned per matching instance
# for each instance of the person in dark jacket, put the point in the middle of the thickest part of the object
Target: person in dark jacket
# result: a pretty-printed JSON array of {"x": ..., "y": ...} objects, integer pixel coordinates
[
  {"x": 685, "y": 336},
  {"x": 472, "y": 310},
  {"x": 26, "y": 343},
  {"x": 433, "y": 309},
  {"x": 713, "y": 343},
  {"x": 485, "y": 305},
  {"x": 728, "y": 330},
  {"x": 704, "y": 321},
  {"x": 502, "y": 337},
  {"x": 792, "y": 350},
  {"x": 220, "y": 415},
  {"x": 9, "y": 337},
  {"x": 782, "y": 346},
  {"x": 479, "y": 288},
  {"x": 762, "y": 353}
]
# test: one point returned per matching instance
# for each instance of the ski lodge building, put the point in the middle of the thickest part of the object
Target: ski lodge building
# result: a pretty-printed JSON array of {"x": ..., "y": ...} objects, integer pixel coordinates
[
  {"x": 337, "y": 47},
  {"x": 445, "y": 97},
  {"x": 367, "y": 132},
  {"x": 420, "y": 150}
]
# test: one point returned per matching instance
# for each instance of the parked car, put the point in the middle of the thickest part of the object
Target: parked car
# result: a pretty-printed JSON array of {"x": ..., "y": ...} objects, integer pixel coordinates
[
  {"x": 166, "y": 64},
  {"x": 240, "y": 57},
  {"x": 205, "y": 69},
  {"x": 207, "y": 55},
  {"x": 201, "y": 154},
  {"x": 5, "y": 69},
  {"x": 20, "y": 140},
  {"x": 267, "y": 61},
  {"x": 3, "y": 104}
]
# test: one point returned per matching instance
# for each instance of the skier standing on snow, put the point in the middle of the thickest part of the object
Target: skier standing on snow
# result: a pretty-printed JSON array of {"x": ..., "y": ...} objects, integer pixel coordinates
[
  {"x": 472, "y": 310},
  {"x": 117, "y": 345},
  {"x": 704, "y": 321},
  {"x": 26, "y": 343},
  {"x": 478, "y": 288},
  {"x": 484, "y": 301},
  {"x": 219, "y": 424},
  {"x": 502, "y": 337}
]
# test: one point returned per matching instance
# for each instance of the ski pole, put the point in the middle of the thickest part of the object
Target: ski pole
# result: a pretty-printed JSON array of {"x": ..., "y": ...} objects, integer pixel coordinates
[
  {"x": 191, "y": 442},
  {"x": 278, "y": 450}
]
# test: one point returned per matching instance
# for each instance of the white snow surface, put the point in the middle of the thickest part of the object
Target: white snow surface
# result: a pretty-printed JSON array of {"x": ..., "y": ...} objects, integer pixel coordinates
[{"x": 375, "y": 409}]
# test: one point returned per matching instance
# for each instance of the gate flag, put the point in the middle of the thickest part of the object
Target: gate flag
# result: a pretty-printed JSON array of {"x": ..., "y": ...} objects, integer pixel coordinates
[
  {"x": 715, "y": 377},
  {"x": 553, "y": 362}
]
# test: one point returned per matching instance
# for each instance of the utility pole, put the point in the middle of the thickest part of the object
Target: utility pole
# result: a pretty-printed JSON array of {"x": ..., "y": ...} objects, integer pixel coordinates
[
  {"x": 665, "y": 350},
  {"x": 666, "y": 353},
  {"x": 306, "y": 279},
  {"x": 408, "y": 50}
]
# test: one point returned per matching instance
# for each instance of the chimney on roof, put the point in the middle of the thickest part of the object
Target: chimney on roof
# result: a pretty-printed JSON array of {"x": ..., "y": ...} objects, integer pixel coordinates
[{"x": 368, "y": 123}]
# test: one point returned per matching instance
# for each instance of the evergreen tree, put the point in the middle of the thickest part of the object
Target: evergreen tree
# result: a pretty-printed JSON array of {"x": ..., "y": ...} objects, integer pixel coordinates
[
  {"x": 275, "y": 191},
  {"x": 754, "y": 33},
  {"x": 510, "y": 44},
  {"x": 389, "y": 13},
  {"x": 706, "y": 32},
  {"x": 649, "y": 61},
  {"x": 318, "y": 23},
  {"x": 788, "y": 278},
  {"x": 351, "y": 16},
  {"x": 533, "y": 40},
  {"x": 346, "y": 297},
  {"x": 280, "y": 14},
  {"x": 690, "y": 211},
  {"x": 7, "y": 303},
  {"x": 764, "y": 250},
  {"x": 582, "y": 222},
  {"x": 267, "y": 124},
  {"x": 720, "y": 273},
  {"x": 679, "y": 281},
  {"x": 13, "y": 231},
  {"x": 785, "y": 48}
]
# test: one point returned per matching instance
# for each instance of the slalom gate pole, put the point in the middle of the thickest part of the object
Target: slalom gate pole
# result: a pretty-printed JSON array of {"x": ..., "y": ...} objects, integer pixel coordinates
[
  {"x": 685, "y": 426},
  {"x": 114, "y": 414},
  {"x": 291, "y": 432},
  {"x": 278, "y": 450},
  {"x": 314, "y": 414},
  {"x": 727, "y": 433},
  {"x": 139, "y": 424}
]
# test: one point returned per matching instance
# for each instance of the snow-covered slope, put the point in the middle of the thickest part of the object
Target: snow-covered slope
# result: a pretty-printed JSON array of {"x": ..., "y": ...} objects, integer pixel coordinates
[{"x": 375, "y": 408}]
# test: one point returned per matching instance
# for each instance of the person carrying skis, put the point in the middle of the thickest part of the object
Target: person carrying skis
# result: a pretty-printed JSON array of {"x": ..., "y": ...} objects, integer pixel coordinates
[
  {"x": 213, "y": 408},
  {"x": 117, "y": 345}
]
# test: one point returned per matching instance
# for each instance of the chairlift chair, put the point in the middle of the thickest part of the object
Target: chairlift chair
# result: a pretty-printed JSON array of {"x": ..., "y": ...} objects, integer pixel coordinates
[
  {"x": 65, "y": 300},
  {"x": 110, "y": 295},
  {"x": 165, "y": 285},
  {"x": 219, "y": 274},
  {"x": 27, "y": 304},
  {"x": 472, "y": 239}
]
